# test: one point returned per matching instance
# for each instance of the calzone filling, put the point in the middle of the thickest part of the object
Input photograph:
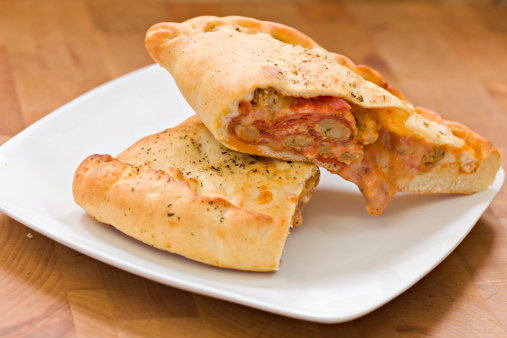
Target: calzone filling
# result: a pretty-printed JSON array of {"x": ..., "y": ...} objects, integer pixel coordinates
[{"x": 346, "y": 136}]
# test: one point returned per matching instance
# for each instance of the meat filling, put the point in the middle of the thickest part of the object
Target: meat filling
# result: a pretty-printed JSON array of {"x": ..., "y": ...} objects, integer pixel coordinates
[
  {"x": 317, "y": 128},
  {"x": 332, "y": 131}
]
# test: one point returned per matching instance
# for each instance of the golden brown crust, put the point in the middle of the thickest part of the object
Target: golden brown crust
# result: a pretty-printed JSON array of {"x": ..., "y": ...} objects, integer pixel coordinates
[
  {"x": 443, "y": 179},
  {"x": 189, "y": 152},
  {"x": 219, "y": 62},
  {"x": 144, "y": 194},
  {"x": 447, "y": 177},
  {"x": 479, "y": 144}
]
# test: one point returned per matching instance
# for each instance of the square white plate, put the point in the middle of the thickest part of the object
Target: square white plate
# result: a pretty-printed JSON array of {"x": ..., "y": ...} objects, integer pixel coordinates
[{"x": 339, "y": 265}]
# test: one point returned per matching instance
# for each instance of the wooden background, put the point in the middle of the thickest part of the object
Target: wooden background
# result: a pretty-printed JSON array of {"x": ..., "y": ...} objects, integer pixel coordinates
[{"x": 448, "y": 56}]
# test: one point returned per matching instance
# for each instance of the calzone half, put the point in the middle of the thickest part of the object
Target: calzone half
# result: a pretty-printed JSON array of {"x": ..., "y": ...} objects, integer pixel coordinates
[
  {"x": 181, "y": 191},
  {"x": 266, "y": 89}
]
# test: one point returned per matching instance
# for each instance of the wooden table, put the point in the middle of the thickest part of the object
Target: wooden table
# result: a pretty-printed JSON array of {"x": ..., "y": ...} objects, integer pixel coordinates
[{"x": 451, "y": 58}]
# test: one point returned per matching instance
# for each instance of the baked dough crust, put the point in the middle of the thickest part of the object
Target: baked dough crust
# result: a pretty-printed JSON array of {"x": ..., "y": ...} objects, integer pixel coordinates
[
  {"x": 181, "y": 191},
  {"x": 219, "y": 62}
]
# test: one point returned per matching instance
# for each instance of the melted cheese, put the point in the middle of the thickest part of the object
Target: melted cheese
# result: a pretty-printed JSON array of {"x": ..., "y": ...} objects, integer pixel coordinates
[{"x": 379, "y": 161}]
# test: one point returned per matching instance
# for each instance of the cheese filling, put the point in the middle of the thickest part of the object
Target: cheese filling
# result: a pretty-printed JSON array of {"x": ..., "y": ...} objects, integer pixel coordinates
[{"x": 349, "y": 137}]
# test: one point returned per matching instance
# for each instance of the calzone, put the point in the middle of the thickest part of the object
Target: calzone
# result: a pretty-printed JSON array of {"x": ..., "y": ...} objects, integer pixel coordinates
[
  {"x": 267, "y": 89},
  {"x": 181, "y": 191}
]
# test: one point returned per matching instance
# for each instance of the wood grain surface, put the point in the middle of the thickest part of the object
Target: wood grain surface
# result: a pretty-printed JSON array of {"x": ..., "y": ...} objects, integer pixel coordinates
[{"x": 448, "y": 56}]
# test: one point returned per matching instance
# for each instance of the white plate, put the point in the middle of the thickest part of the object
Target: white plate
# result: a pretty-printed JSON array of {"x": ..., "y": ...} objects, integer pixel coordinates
[{"x": 339, "y": 265}]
